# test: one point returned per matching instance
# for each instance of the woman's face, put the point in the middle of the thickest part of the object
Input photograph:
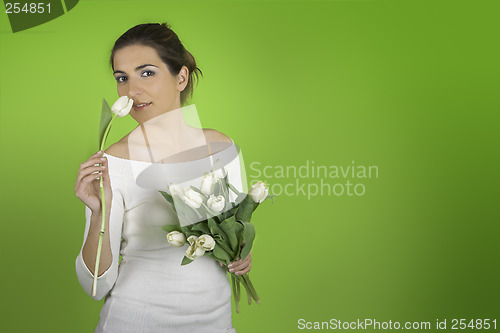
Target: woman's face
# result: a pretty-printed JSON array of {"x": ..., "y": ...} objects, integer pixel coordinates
[{"x": 142, "y": 76}]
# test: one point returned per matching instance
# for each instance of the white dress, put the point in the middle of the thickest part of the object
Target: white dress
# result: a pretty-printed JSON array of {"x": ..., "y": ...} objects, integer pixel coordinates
[{"x": 149, "y": 291}]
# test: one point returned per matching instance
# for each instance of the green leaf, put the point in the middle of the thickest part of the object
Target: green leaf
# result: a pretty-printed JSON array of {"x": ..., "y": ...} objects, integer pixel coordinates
[
  {"x": 171, "y": 227},
  {"x": 106, "y": 116},
  {"x": 186, "y": 211},
  {"x": 217, "y": 189},
  {"x": 188, "y": 231},
  {"x": 271, "y": 196},
  {"x": 186, "y": 261},
  {"x": 202, "y": 226},
  {"x": 215, "y": 229},
  {"x": 168, "y": 197},
  {"x": 245, "y": 209},
  {"x": 210, "y": 255},
  {"x": 248, "y": 238},
  {"x": 241, "y": 197},
  {"x": 228, "y": 226},
  {"x": 238, "y": 228},
  {"x": 229, "y": 213},
  {"x": 225, "y": 246},
  {"x": 221, "y": 254}
]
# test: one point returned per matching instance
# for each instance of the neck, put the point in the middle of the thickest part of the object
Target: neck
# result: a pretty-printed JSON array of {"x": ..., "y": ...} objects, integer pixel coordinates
[{"x": 164, "y": 135}]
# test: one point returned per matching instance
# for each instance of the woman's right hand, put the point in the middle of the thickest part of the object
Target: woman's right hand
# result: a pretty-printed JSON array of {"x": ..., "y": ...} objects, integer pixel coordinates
[{"x": 87, "y": 186}]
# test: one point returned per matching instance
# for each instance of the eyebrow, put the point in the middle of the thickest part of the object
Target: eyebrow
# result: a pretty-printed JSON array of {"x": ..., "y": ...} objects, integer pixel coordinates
[{"x": 137, "y": 68}]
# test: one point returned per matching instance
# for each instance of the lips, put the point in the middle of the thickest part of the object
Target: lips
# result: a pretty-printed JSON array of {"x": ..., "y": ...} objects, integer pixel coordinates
[{"x": 141, "y": 106}]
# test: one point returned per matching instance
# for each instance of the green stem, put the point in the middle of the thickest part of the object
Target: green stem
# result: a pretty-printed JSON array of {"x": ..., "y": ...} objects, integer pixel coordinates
[
  {"x": 246, "y": 278},
  {"x": 226, "y": 248},
  {"x": 247, "y": 289},
  {"x": 103, "y": 213},
  {"x": 233, "y": 189},
  {"x": 106, "y": 133},
  {"x": 238, "y": 291},
  {"x": 212, "y": 212},
  {"x": 233, "y": 280},
  {"x": 225, "y": 191},
  {"x": 240, "y": 279}
]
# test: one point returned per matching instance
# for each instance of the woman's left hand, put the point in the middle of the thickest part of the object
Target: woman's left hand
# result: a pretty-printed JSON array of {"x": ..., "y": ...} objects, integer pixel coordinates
[{"x": 239, "y": 266}]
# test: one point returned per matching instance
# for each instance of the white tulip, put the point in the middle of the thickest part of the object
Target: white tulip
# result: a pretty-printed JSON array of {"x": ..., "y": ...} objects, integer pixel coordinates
[
  {"x": 220, "y": 173},
  {"x": 192, "y": 239},
  {"x": 206, "y": 242},
  {"x": 192, "y": 198},
  {"x": 220, "y": 169},
  {"x": 259, "y": 191},
  {"x": 195, "y": 251},
  {"x": 207, "y": 183},
  {"x": 122, "y": 106},
  {"x": 175, "y": 189},
  {"x": 216, "y": 203},
  {"x": 176, "y": 238}
]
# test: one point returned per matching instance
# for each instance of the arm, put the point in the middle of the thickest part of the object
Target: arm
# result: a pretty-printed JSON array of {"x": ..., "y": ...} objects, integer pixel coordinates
[{"x": 108, "y": 264}]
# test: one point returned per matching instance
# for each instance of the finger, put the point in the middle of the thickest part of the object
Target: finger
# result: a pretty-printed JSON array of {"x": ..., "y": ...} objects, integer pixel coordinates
[
  {"x": 245, "y": 268},
  {"x": 85, "y": 182},
  {"x": 238, "y": 266},
  {"x": 92, "y": 161},
  {"x": 86, "y": 172},
  {"x": 247, "y": 258},
  {"x": 234, "y": 263},
  {"x": 105, "y": 171},
  {"x": 92, "y": 169},
  {"x": 90, "y": 178},
  {"x": 239, "y": 261}
]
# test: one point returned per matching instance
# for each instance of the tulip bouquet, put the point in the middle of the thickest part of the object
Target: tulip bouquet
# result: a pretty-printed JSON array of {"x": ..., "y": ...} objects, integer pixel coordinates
[
  {"x": 223, "y": 230},
  {"x": 119, "y": 109}
]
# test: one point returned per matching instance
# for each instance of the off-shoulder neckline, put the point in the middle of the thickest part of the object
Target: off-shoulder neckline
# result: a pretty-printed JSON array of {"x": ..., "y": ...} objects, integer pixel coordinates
[{"x": 125, "y": 160}]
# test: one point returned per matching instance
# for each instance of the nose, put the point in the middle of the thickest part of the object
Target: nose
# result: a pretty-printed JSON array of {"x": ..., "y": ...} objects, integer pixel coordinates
[{"x": 135, "y": 88}]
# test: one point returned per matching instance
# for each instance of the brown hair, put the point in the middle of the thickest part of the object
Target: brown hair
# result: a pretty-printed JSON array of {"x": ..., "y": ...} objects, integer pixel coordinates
[{"x": 168, "y": 46}]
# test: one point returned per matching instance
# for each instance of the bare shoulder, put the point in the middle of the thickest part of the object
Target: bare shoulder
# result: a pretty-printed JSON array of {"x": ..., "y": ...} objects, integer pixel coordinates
[
  {"x": 212, "y": 135},
  {"x": 119, "y": 148}
]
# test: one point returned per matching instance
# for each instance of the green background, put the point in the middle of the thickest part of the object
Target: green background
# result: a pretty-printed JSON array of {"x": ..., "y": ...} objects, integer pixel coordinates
[{"x": 411, "y": 87}]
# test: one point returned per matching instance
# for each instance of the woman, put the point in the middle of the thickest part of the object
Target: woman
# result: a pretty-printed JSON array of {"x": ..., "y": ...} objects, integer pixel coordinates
[{"x": 149, "y": 291}]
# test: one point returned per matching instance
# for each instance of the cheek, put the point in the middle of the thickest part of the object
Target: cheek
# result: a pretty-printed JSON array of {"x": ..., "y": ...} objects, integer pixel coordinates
[
  {"x": 121, "y": 90},
  {"x": 164, "y": 90},
  {"x": 168, "y": 85}
]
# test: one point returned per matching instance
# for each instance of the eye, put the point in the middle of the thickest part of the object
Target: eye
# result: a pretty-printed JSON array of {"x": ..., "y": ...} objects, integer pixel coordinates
[
  {"x": 120, "y": 77},
  {"x": 148, "y": 71}
]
